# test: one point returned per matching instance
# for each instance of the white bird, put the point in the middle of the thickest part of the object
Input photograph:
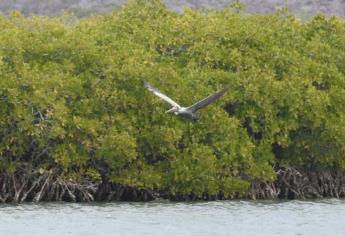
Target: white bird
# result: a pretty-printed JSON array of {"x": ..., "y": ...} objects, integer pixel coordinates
[{"x": 186, "y": 112}]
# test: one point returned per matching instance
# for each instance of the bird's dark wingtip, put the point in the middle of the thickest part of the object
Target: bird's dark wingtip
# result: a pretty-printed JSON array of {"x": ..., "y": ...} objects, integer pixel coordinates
[{"x": 226, "y": 87}]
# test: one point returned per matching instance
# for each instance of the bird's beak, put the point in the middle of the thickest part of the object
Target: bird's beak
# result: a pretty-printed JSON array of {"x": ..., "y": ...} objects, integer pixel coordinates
[{"x": 172, "y": 110}]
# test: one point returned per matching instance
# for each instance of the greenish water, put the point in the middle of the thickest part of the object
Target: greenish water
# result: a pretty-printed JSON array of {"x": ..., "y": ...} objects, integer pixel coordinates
[{"x": 326, "y": 217}]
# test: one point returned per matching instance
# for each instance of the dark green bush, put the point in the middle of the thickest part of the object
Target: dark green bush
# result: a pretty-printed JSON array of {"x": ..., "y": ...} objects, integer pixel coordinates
[{"x": 72, "y": 98}]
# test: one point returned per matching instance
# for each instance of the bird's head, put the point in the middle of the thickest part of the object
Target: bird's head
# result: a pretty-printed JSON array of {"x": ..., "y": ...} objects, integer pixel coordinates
[{"x": 173, "y": 110}]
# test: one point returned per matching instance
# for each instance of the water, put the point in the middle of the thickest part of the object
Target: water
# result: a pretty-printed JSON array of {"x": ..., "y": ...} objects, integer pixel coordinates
[{"x": 326, "y": 217}]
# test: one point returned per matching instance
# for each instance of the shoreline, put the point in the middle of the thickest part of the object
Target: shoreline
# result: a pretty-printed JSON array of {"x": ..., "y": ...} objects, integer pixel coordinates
[
  {"x": 294, "y": 184},
  {"x": 47, "y": 187}
]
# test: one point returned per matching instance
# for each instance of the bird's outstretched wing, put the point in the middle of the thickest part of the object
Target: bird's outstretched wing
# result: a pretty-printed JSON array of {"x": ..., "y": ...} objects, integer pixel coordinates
[
  {"x": 206, "y": 101},
  {"x": 159, "y": 94}
]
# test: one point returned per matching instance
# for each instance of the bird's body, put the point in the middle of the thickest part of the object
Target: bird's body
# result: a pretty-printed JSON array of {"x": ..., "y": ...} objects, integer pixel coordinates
[{"x": 186, "y": 112}]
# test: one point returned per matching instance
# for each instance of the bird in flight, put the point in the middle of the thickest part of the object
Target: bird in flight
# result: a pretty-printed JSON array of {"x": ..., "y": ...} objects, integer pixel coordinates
[{"x": 186, "y": 112}]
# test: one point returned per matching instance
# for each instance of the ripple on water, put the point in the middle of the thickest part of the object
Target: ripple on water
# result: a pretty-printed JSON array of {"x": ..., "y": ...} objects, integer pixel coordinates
[{"x": 321, "y": 217}]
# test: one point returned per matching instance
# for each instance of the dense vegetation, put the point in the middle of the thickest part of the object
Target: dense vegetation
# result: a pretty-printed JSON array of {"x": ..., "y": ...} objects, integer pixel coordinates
[{"x": 72, "y": 100}]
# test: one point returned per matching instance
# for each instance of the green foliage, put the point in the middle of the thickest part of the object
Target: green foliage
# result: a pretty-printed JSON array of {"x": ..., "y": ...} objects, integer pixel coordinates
[{"x": 71, "y": 96}]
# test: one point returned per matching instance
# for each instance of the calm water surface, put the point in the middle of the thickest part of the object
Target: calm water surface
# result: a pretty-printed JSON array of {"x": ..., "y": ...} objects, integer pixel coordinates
[{"x": 326, "y": 217}]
